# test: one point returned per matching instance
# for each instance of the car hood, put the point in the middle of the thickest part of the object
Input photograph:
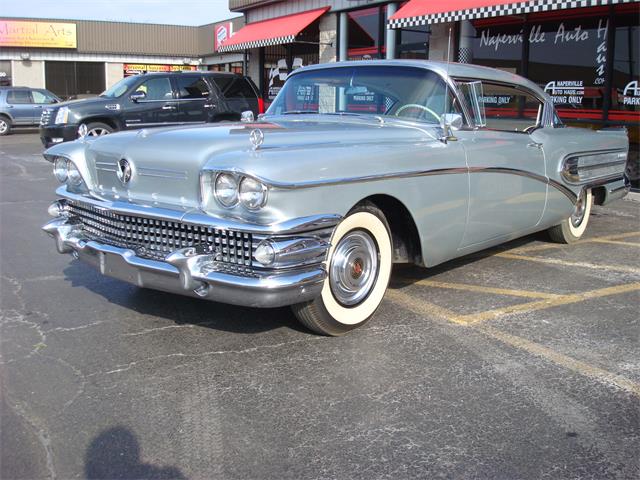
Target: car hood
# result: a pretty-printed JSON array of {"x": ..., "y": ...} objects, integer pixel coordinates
[{"x": 167, "y": 162}]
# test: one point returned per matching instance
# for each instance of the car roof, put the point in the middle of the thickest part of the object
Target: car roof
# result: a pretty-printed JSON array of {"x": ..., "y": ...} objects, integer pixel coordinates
[{"x": 445, "y": 69}]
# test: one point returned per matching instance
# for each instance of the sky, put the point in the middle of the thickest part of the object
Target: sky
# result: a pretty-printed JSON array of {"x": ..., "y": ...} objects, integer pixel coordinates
[{"x": 172, "y": 12}]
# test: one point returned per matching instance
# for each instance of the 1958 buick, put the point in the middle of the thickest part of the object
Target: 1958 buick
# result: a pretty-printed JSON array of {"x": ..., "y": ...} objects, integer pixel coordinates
[{"x": 354, "y": 167}]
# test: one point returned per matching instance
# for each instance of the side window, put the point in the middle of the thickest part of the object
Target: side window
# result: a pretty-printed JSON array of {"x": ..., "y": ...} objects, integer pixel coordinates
[
  {"x": 19, "y": 97},
  {"x": 509, "y": 108},
  {"x": 42, "y": 97},
  {"x": 192, "y": 87},
  {"x": 156, "y": 89},
  {"x": 235, "y": 88}
]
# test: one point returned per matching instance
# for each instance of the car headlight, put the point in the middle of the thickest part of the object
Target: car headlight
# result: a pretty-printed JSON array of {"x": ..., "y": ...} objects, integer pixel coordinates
[
  {"x": 252, "y": 193},
  {"x": 73, "y": 175},
  {"x": 63, "y": 115},
  {"x": 60, "y": 169},
  {"x": 226, "y": 189}
]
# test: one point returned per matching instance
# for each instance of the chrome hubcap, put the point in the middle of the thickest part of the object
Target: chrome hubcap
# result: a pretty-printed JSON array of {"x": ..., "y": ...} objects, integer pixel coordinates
[
  {"x": 3, "y": 126},
  {"x": 354, "y": 268},
  {"x": 97, "y": 132},
  {"x": 579, "y": 210}
]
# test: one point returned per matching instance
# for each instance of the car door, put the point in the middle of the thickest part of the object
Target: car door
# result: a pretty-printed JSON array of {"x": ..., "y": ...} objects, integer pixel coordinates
[
  {"x": 20, "y": 106},
  {"x": 41, "y": 98},
  {"x": 196, "y": 98},
  {"x": 507, "y": 172},
  {"x": 151, "y": 103}
]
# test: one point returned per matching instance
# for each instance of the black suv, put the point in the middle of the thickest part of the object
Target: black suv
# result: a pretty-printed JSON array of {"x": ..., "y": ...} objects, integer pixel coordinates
[{"x": 153, "y": 100}]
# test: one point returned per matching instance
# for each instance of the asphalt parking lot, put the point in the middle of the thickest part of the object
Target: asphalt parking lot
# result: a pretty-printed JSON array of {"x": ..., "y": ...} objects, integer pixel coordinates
[{"x": 517, "y": 363}]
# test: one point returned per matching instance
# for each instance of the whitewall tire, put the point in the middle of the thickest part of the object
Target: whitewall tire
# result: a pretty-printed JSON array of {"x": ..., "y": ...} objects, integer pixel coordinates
[
  {"x": 358, "y": 270},
  {"x": 572, "y": 228}
]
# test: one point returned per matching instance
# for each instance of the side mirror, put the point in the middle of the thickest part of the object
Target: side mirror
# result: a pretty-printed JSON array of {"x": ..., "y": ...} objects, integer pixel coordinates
[
  {"x": 451, "y": 121},
  {"x": 247, "y": 116},
  {"x": 138, "y": 95}
]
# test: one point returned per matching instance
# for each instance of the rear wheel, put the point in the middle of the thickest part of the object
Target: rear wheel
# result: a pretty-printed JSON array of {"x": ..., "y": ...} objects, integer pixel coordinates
[
  {"x": 5, "y": 125},
  {"x": 94, "y": 129},
  {"x": 572, "y": 229},
  {"x": 358, "y": 271}
]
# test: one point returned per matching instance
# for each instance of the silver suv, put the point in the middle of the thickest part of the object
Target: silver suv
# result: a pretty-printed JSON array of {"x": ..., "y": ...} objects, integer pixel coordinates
[{"x": 22, "y": 106}]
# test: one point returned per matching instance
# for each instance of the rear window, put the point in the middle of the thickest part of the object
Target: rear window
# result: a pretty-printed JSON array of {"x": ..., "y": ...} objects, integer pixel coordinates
[
  {"x": 192, "y": 87},
  {"x": 234, "y": 87},
  {"x": 19, "y": 96}
]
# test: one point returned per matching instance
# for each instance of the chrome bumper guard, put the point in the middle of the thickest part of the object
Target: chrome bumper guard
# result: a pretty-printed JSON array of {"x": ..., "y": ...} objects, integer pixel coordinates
[{"x": 188, "y": 272}]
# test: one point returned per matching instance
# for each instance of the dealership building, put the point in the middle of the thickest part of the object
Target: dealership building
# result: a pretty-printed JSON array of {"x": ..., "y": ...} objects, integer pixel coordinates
[
  {"x": 74, "y": 58},
  {"x": 583, "y": 53}
]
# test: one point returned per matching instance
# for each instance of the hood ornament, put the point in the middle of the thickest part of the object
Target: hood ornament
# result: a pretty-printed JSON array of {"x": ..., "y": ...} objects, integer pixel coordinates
[
  {"x": 256, "y": 137},
  {"x": 124, "y": 171}
]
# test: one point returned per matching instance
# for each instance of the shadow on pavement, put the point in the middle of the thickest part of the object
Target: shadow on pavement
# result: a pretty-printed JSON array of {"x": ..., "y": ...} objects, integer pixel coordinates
[
  {"x": 178, "y": 308},
  {"x": 115, "y": 454}
]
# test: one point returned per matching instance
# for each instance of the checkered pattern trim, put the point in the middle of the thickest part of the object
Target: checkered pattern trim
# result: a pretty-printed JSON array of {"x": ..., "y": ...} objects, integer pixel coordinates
[
  {"x": 465, "y": 55},
  {"x": 516, "y": 8},
  {"x": 267, "y": 42}
]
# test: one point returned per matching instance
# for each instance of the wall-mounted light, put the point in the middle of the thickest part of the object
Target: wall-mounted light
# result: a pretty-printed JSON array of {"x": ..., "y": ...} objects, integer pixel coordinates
[
  {"x": 186, "y": 61},
  {"x": 25, "y": 56}
]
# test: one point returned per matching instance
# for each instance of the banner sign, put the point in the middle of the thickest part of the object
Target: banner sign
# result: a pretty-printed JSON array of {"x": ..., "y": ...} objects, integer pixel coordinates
[
  {"x": 136, "y": 68},
  {"x": 221, "y": 34},
  {"x": 14, "y": 33}
]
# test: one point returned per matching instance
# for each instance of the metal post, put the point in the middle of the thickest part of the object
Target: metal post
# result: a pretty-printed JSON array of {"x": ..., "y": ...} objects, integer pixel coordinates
[
  {"x": 344, "y": 37},
  {"x": 392, "y": 34},
  {"x": 245, "y": 70},
  {"x": 465, "y": 49}
]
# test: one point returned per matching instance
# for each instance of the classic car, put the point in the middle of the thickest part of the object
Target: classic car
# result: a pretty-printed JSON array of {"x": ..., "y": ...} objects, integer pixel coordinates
[{"x": 354, "y": 167}]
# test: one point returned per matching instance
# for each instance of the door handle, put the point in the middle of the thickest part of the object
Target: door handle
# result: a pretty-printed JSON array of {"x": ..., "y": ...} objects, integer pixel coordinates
[
  {"x": 534, "y": 145},
  {"x": 168, "y": 107},
  {"x": 209, "y": 105},
  {"x": 37, "y": 106}
]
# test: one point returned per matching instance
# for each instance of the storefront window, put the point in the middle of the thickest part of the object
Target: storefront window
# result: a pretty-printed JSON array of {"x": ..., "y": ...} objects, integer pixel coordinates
[
  {"x": 5, "y": 73},
  {"x": 281, "y": 60},
  {"x": 499, "y": 45},
  {"x": 366, "y": 33},
  {"x": 625, "y": 101},
  {"x": 414, "y": 42},
  {"x": 74, "y": 79},
  {"x": 568, "y": 59}
]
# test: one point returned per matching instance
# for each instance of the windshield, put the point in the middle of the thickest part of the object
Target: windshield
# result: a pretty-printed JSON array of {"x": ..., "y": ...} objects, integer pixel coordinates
[
  {"x": 119, "y": 88},
  {"x": 383, "y": 90}
]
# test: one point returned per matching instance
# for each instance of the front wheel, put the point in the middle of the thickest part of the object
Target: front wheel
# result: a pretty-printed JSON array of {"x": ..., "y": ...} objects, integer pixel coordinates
[
  {"x": 572, "y": 228},
  {"x": 5, "y": 125},
  {"x": 94, "y": 129},
  {"x": 358, "y": 271}
]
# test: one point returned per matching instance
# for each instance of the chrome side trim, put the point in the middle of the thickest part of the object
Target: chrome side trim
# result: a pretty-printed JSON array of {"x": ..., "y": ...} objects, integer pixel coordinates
[
  {"x": 194, "y": 217},
  {"x": 410, "y": 174}
]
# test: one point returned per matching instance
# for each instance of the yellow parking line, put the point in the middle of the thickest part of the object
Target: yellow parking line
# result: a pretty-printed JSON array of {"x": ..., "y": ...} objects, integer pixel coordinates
[
  {"x": 565, "y": 361},
  {"x": 615, "y": 242},
  {"x": 479, "y": 288},
  {"x": 475, "y": 318},
  {"x": 546, "y": 246},
  {"x": 420, "y": 306},
  {"x": 427, "y": 309},
  {"x": 555, "y": 261}
]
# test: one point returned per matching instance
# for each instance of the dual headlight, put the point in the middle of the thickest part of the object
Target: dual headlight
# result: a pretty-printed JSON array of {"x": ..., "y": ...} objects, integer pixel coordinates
[
  {"x": 62, "y": 116},
  {"x": 65, "y": 171},
  {"x": 230, "y": 190}
]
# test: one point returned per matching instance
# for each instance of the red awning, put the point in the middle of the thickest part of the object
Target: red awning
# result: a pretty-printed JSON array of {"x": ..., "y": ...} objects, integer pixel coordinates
[
  {"x": 424, "y": 12},
  {"x": 274, "y": 31}
]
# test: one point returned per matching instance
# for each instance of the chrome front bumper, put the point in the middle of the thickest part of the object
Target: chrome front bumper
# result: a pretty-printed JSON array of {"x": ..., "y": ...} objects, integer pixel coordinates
[{"x": 188, "y": 273}]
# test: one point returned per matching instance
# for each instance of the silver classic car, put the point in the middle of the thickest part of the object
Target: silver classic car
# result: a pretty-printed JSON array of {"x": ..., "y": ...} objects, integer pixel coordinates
[{"x": 354, "y": 167}]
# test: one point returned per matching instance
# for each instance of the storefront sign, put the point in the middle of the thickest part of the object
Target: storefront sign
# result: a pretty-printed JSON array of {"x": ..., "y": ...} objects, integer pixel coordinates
[
  {"x": 137, "y": 68},
  {"x": 221, "y": 34},
  {"x": 566, "y": 92},
  {"x": 631, "y": 94},
  {"x": 15, "y": 33}
]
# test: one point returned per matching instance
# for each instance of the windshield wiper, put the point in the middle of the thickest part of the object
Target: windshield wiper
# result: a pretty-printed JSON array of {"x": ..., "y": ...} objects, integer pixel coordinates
[{"x": 296, "y": 112}]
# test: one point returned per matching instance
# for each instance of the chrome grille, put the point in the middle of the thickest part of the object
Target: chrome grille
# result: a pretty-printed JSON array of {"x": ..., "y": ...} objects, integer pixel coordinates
[
  {"x": 47, "y": 115},
  {"x": 155, "y": 239}
]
